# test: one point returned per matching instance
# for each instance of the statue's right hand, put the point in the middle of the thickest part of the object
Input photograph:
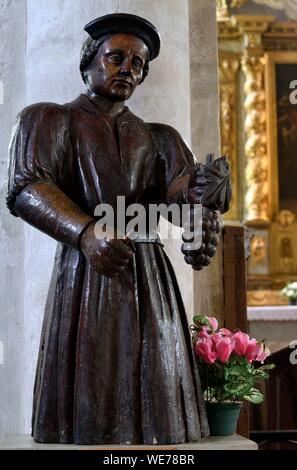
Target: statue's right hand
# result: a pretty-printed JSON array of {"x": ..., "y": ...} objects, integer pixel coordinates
[{"x": 107, "y": 256}]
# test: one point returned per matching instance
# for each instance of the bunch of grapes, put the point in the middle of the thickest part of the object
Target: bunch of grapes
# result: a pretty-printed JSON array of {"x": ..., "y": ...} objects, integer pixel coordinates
[{"x": 210, "y": 230}]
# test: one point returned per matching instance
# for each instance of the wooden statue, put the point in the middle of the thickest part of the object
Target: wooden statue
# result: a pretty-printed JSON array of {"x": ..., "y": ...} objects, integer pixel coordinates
[{"x": 115, "y": 362}]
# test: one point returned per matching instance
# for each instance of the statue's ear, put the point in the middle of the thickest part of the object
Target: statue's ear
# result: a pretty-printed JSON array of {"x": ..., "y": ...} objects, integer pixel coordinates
[
  {"x": 145, "y": 72},
  {"x": 83, "y": 76}
]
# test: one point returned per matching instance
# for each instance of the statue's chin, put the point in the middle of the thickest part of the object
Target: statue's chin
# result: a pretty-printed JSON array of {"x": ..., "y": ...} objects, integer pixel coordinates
[
  {"x": 120, "y": 94},
  {"x": 117, "y": 95}
]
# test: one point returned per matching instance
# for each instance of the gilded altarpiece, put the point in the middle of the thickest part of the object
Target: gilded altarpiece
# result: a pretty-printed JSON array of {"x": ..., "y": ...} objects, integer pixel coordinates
[{"x": 258, "y": 65}]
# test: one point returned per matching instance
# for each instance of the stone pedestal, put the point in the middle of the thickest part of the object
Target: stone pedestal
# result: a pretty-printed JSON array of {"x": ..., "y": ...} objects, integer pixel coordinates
[{"x": 234, "y": 442}]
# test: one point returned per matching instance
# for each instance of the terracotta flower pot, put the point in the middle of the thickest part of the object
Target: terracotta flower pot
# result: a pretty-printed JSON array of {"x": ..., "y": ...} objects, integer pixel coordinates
[{"x": 222, "y": 418}]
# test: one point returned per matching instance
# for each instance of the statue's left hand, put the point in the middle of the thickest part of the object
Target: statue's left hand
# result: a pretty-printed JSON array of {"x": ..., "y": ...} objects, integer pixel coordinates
[
  {"x": 210, "y": 185},
  {"x": 197, "y": 184}
]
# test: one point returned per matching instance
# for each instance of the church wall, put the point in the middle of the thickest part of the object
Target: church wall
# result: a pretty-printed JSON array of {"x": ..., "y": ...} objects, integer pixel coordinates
[
  {"x": 12, "y": 274},
  {"x": 208, "y": 283}
]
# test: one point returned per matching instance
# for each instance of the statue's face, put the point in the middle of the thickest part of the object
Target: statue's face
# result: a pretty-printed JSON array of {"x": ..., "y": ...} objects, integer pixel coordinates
[{"x": 117, "y": 68}]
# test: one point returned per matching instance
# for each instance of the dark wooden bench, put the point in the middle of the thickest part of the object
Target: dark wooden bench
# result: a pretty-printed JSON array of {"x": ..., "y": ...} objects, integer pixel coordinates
[{"x": 274, "y": 422}]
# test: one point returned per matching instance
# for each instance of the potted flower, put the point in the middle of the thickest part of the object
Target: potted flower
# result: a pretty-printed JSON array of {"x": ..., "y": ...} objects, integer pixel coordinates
[
  {"x": 230, "y": 363},
  {"x": 290, "y": 291}
]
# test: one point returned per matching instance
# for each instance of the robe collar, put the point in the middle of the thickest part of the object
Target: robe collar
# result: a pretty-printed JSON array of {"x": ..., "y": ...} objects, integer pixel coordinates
[{"x": 92, "y": 106}]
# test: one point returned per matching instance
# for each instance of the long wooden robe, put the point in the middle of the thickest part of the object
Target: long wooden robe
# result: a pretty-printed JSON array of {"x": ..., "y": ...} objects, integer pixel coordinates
[{"x": 115, "y": 362}]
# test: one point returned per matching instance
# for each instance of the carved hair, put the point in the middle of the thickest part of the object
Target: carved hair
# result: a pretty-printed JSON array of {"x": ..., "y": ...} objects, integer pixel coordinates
[{"x": 90, "y": 48}]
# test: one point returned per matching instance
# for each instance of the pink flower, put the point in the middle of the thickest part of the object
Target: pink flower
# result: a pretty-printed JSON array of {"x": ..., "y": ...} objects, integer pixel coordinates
[
  {"x": 252, "y": 350},
  {"x": 215, "y": 338},
  {"x": 224, "y": 348},
  {"x": 204, "y": 350},
  {"x": 241, "y": 342},
  {"x": 211, "y": 344},
  {"x": 248, "y": 347},
  {"x": 225, "y": 332},
  {"x": 203, "y": 333},
  {"x": 222, "y": 345},
  {"x": 263, "y": 353},
  {"x": 213, "y": 323}
]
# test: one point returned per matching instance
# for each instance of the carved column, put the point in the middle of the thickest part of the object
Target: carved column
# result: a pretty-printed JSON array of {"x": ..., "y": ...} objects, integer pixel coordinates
[
  {"x": 228, "y": 67},
  {"x": 256, "y": 204},
  {"x": 256, "y": 172}
]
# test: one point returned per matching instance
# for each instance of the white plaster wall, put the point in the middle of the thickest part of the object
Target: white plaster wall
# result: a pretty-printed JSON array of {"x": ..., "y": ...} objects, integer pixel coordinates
[
  {"x": 208, "y": 283},
  {"x": 12, "y": 76},
  {"x": 47, "y": 39}
]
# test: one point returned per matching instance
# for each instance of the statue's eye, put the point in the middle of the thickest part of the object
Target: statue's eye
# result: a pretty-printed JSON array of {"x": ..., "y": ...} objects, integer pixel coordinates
[
  {"x": 137, "y": 63},
  {"x": 115, "y": 58}
]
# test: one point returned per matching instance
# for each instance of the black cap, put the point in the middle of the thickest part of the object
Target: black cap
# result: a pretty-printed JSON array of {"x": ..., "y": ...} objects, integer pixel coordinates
[{"x": 129, "y": 24}]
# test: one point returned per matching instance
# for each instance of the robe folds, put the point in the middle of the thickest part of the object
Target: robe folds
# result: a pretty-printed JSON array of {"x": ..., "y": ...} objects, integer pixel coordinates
[{"x": 115, "y": 363}]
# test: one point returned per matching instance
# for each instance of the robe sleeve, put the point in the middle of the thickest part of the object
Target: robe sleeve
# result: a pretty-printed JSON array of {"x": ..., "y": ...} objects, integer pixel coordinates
[
  {"x": 177, "y": 163},
  {"x": 37, "y": 148}
]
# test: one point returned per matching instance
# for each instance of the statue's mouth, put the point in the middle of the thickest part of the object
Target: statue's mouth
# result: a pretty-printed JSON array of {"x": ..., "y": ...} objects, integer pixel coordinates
[{"x": 122, "y": 81}]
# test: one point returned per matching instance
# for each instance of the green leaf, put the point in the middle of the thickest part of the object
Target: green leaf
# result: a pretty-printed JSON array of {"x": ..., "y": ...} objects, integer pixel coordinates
[
  {"x": 238, "y": 381},
  {"x": 200, "y": 320},
  {"x": 254, "y": 396},
  {"x": 234, "y": 372},
  {"x": 261, "y": 374},
  {"x": 267, "y": 367},
  {"x": 234, "y": 359}
]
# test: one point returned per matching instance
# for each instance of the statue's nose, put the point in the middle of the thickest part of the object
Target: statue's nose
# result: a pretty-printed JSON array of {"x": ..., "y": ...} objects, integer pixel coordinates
[
  {"x": 125, "y": 73},
  {"x": 126, "y": 66}
]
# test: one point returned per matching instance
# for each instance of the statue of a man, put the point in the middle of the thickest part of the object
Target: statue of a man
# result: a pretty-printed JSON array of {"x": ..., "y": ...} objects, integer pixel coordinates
[{"x": 115, "y": 362}]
